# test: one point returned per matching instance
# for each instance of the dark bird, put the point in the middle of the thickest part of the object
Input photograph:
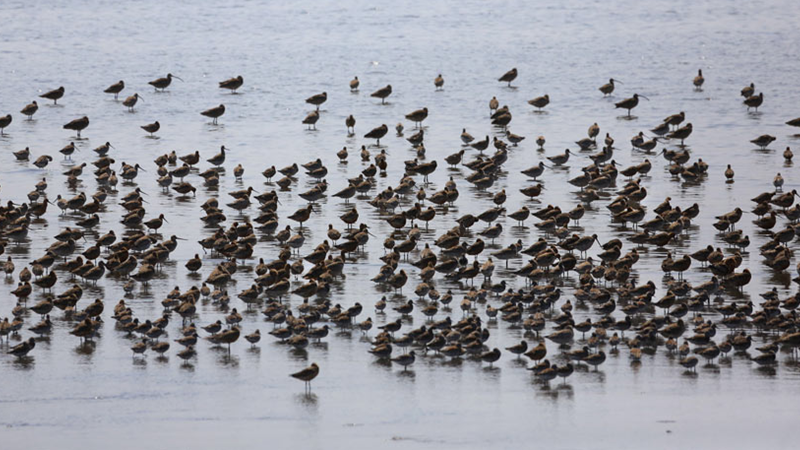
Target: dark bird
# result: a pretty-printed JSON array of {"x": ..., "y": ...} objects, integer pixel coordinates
[
  {"x": 77, "y": 125},
  {"x": 232, "y": 84},
  {"x": 54, "y": 95},
  {"x": 215, "y": 112}
]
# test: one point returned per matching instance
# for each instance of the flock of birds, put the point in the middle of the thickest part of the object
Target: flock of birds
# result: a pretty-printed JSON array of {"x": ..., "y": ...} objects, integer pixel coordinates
[{"x": 687, "y": 320}]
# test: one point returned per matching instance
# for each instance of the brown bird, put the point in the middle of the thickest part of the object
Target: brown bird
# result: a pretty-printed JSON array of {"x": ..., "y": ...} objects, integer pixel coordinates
[
  {"x": 130, "y": 102},
  {"x": 115, "y": 88},
  {"x": 77, "y": 125},
  {"x": 307, "y": 374},
  {"x": 54, "y": 95},
  {"x": 232, "y": 84},
  {"x": 382, "y": 93},
  {"x": 215, "y": 112},
  {"x": 377, "y": 133},
  {"x": 509, "y": 76},
  {"x": 30, "y": 109},
  {"x": 163, "y": 83},
  {"x": 151, "y": 127},
  {"x": 317, "y": 99},
  {"x": 4, "y": 122}
]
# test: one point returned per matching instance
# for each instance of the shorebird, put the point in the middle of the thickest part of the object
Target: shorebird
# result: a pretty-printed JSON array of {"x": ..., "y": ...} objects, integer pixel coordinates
[
  {"x": 307, "y": 374},
  {"x": 30, "y": 109},
  {"x": 608, "y": 88},
  {"x": 508, "y": 77},
  {"x": 215, "y": 113},
  {"x": 232, "y": 84},
  {"x": 540, "y": 102},
  {"x": 754, "y": 101},
  {"x": 438, "y": 82},
  {"x": 377, "y": 133},
  {"x": 630, "y": 103},
  {"x": 354, "y": 83},
  {"x": 77, "y": 125},
  {"x": 418, "y": 116},
  {"x": 382, "y": 93},
  {"x": 54, "y": 95},
  {"x": 699, "y": 80},
  {"x": 317, "y": 99},
  {"x": 5, "y": 121},
  {"x": 350, "y": 123},
  {"x": 130, "y": 102},
  {"x": 151, "y": 127},
  {"x": 115, "y": 88},
  {"x": 311, "y": 120},
  {"x": 163, "y": 83},
  {"x": 747, "y": 91}
]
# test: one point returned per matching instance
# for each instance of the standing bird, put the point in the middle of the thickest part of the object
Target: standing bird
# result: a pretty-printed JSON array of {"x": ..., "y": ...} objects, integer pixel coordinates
[
  {"x": 130, "y": 102},
  {"x": 354, "y": 83},
  {"x": 307, "y": 374},
  {"x": 317, "y": 99},
  {"x": 754, "y": 101},
  {"x": 382, "y": 93},
  {"x": 151, "y": 127},
  {"x": 54, "y": 95},
  {"x": 630, "y": 103},
  {"x": 4, "y": 122},
  {"x": 729, "y": 174},
  {"x": 377, "y": 133},
  {"x": 350, "y": 122},
  {"x": 30, "y": 109},
  {"x": 115, "y": 89},
  {"x": 311, "y": 119},
  {"x": 232, "y": 84},
  {"x": 509, "y": 76},
  {"x": 78, "y": 125},
  {"x": 540, "y": 102},
  {"x": 438, "y": 82},
  {"x": 163, "y": 83},
  {"x": 608, "y": 88},
  {"x": 747, "y": 91},
  {"x": 699, "y": 80},
  {"x": 215, "y": 112}
]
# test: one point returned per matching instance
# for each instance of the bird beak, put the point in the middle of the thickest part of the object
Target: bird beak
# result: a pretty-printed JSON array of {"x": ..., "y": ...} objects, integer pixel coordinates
[
  {"x": 640, "y": 95},
  {"x": 165, "y": 220},
  {"x": 177, "y": 77},
  {"x": 141, "y": 98},
  {"x": 617, "y": 81},
  {"x": 145, "y": 201},
  {"x": 179, "y": 238},
  {"x": 142, "y": 169}
]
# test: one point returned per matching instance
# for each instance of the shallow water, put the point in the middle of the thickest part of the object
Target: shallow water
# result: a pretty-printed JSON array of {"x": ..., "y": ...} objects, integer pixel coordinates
[{"x": 286, "y": 53}]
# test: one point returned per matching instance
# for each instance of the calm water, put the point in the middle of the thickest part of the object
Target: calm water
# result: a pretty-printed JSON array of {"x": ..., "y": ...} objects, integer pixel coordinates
[{"x": 286, "y": 53}]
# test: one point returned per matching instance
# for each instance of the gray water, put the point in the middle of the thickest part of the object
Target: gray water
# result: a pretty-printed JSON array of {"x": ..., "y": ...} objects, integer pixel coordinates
[{"x": 68, "y": 395}]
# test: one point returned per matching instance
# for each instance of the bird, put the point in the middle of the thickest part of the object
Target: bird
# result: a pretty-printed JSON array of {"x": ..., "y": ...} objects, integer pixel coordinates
[
  {"x": 232, "y": 84},
  {"x": 164, "y": 82},
  {"x": 115, "y": 88},
  {"x": 30, "y": 109},
  {"x": 54, "y": 95},
  {"x": 377, "y": 133},
  {"x": 307, "y": 375},
  {"x": 151, "y": 127},
  {"x": 77, "y": 125},
  {"x": 215, "y": 112},
  {"x": 438, "y": 82},
  {"x": 608, "y": 88},
  {"x": 509, "y": 76},
  {"x": 699, "y": 80},
  {"x": 317, "y": 99},
  {"x": 630, "y": 103},
  {"x": 383, "y": 93},
  {"x": 354, "y": 83},
  {"x": 130, "y": 101},
  {"x": 5, "y": 121}
]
